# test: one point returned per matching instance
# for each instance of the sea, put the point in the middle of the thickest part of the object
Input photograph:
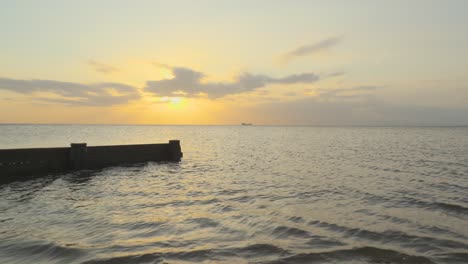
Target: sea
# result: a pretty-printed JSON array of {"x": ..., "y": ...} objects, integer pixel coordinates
[{"x": 245, "y": 194}]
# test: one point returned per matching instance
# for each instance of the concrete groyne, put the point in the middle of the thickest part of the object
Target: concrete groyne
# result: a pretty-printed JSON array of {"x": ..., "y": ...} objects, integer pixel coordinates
[{"x": 20, "y": 163}]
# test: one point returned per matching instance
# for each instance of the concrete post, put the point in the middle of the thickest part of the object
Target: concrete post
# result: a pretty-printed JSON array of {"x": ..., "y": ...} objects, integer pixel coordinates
[
  {"x": 175, "y": 152},
  {"x": 78, "y": 156}
]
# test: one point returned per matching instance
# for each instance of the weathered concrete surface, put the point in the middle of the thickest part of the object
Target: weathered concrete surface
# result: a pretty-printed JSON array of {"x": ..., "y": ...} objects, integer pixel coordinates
[
  {"x": 18, "y": 163},
  {"x": 78, "y": 156},
  {"x": 175, "y": 151}
]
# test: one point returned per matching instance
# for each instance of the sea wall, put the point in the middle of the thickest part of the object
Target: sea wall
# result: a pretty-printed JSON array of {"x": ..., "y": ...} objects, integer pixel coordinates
[{"x": 19, "y": 163}]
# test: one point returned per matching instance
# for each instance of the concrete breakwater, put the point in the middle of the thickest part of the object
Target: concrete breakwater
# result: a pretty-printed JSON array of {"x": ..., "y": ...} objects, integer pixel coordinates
[{"x": 19, "y": 163}]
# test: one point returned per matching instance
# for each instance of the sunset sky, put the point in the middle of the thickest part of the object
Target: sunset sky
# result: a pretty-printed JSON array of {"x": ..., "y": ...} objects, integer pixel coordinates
[{"x": 226, "y": 62}]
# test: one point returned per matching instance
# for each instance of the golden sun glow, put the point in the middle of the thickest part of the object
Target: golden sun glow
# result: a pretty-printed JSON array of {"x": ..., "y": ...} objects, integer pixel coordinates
[{"x": 174, "y": 102}]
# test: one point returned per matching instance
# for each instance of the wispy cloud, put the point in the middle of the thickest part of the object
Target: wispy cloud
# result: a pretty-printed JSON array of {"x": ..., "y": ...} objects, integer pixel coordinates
[
  {"x": 309, "y": 49},
  {"x": 357, "y": 106},
  {"x": 336, "y": 74},
  {"x": 189, "y": 82},
  {"x": 353, "y": 92},
  {"x": 101, "y": 67},
  {"x": 70, "y": 93}
]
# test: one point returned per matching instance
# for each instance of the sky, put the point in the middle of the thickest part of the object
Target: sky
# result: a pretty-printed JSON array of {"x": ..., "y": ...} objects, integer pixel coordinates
[{"x": 221, "y": 62}]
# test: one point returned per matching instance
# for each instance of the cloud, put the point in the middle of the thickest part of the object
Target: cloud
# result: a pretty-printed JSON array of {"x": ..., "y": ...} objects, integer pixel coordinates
[
  {"x": 69, "y": 93},
  {"x": 358, "y": 91},
  {"x": 336, "y": 74},
  {"x": 190, "y": 83},
  {"x": 311, "y": 49},
  {"x": 356, "y": 106},
  {"x": 101, "y": 67}
]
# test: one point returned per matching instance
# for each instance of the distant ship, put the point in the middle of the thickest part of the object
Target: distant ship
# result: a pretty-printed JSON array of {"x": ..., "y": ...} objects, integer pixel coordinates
[{"x": 246, "y": 124}]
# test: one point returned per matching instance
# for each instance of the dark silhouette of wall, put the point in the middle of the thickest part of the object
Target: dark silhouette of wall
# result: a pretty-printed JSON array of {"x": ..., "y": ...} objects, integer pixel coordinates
[{"x": 19, "y": 163}]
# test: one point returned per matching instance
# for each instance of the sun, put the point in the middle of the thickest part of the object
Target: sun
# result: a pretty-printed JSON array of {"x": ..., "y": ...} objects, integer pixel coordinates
[{"x": 174, "y": 102}]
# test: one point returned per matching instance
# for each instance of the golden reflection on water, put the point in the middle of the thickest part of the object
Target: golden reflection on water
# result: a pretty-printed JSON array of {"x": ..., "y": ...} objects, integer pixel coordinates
[{"x": 255, "y": 194}]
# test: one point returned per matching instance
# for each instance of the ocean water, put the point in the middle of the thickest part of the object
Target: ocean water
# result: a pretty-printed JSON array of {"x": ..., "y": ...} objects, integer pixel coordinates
[{"x": 245, "y": 194}]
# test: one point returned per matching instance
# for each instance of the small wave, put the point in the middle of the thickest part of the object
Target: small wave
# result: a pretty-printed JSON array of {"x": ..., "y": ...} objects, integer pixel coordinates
[
  {"x": 259, "y": 250},
  {"x": 267, "y": 253},
  {"x": 427, "y": 229},
  {"x": 445, "y": 185},
  {"x": 34, "y": 251},
  {"x": 438, "y": 230},
  {"x": 223, "y": 208},
  {"x": 194, "y": 255},
  {"x": 209, "y": 201},
  {"x": 297, "y": 219},
  {"x": 203, "y": 222},
  {"x": 185, "y": 203},
  {"x": 452, "y": 207},
  {"x": 368, "y": 254},
  {"x": 247, "y": 252},
  {"x": 254, "y": 251},
  {"x": 455, "y": 257},
  {"x": 142, "y": 225},
  {"x": 284, "y": 231},
  {"x": 229, "y": 192},
  {"x": 144, "y": 258},
  {"x": 49, "y": 249},
  {"x": 441, "y": 206},
  {"x": 395, "y": 219},
  {"x": 391, "y": 236},
  {"x": 243, "y": 199},
  {"x": 323, "y": 242}
]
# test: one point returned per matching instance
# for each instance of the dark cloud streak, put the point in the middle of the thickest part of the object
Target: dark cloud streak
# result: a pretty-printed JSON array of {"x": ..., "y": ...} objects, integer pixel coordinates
[
  {"x": 101, "y": 67},
  {"x": 311, "y": 49},
  {"x": 190, "y": 82},
  {"x": 344, "y": 92},
  {"x": 99, "y": 94}
]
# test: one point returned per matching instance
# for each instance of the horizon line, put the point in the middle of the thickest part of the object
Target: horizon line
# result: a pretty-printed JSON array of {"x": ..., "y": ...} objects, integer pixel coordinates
[{"x": 263, "y": 125}]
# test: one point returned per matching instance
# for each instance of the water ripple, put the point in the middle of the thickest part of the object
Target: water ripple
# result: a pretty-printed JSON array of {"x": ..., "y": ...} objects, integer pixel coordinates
[{"x": 262, "y": 195}]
